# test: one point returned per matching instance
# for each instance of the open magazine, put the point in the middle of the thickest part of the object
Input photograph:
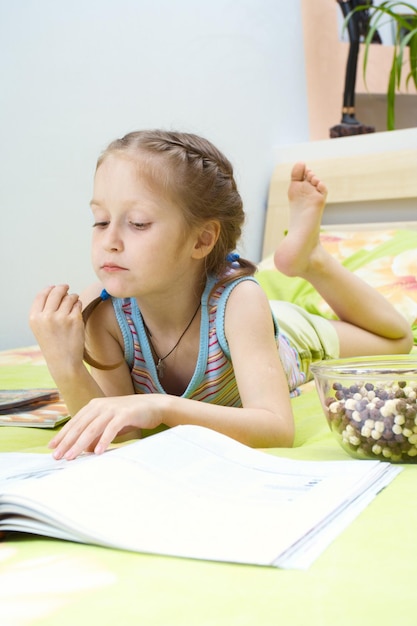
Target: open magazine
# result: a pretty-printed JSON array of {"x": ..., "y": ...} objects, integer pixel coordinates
[{"x": 190, "y": 492}]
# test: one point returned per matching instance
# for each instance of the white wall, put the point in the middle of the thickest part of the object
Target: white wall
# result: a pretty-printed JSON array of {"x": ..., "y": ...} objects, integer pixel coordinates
[{"x": 76, "y": 74}]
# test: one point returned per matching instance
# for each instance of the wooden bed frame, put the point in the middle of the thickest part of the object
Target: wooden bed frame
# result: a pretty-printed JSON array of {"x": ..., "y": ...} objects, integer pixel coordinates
[{"x": 378, "y": 176}]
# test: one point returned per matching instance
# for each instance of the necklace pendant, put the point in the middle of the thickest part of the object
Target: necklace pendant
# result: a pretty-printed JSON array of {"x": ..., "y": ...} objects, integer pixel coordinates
[{"x": 160, "y": 366}]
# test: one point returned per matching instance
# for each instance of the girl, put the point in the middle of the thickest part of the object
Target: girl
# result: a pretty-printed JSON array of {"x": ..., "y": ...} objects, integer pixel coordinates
[{"x": 186, "y": 335}]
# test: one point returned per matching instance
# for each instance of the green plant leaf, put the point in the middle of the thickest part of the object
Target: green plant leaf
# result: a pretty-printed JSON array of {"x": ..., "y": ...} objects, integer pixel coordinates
[
  {"x": 392, "y": 82},
  {"x": 413, "y": 58},
  {"x": 410, "y": 41},
  {"x": 388, "y": 10}
]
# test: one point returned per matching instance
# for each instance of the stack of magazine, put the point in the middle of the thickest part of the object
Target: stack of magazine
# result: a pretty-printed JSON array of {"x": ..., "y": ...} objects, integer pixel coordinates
[
  {"x": 190, "y": 492},
  {"x": 40, "y": 408}
]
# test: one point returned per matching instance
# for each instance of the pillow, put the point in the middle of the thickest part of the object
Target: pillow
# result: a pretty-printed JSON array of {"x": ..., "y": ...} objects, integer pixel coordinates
[{"x": 386, "y": 259}]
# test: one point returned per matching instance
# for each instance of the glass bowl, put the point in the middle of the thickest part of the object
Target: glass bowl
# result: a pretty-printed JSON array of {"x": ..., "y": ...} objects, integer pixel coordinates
[{"x": 370, "y": 405}]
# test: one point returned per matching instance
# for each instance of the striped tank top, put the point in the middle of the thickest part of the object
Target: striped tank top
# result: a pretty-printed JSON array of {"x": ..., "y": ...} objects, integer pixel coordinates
[{"x": 213, "y": 379}]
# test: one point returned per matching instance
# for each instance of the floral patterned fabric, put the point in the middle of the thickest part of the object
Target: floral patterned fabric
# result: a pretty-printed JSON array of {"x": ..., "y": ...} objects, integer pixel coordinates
[{"x": 386, "y": 259}]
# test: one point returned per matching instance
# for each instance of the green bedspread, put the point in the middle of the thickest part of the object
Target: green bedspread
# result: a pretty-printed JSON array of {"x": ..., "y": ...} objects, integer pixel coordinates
[
  {"x": 366, "y": 576},
  {"x": 386, "y": 259}
]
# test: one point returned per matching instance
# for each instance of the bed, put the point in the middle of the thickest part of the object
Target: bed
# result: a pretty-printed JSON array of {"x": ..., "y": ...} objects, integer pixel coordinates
[
  {"x": 383, "y": 253},
  {"x": 364, "y": 577}
]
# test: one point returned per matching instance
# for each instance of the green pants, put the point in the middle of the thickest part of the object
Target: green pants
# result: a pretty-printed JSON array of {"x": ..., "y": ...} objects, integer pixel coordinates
[{"x": 313, "y": 336}]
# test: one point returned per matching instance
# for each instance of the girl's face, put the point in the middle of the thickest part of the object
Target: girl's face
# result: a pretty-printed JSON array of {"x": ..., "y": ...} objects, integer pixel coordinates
[{"x": 141, "y": 244}]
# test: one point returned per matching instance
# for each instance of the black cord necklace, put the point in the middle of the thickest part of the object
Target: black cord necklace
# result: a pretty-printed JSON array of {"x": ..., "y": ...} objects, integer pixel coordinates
[{"x": 160, "y": 366}]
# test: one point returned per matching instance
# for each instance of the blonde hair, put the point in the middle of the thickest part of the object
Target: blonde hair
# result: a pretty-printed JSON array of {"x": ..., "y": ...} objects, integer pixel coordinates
[
  {"x": 200, "y": 179},
  {"x": 193, "y": 171}
]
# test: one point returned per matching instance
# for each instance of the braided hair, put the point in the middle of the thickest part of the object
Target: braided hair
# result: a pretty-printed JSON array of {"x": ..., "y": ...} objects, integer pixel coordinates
[{"x": 192, "y": 171}]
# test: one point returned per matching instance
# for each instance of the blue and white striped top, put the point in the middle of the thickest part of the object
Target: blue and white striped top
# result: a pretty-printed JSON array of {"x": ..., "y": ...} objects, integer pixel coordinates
[{"x": 213, "y": 379}]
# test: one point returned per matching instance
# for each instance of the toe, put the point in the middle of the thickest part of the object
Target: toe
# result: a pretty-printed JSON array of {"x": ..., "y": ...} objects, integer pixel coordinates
[{"x": 298, "y": 171}]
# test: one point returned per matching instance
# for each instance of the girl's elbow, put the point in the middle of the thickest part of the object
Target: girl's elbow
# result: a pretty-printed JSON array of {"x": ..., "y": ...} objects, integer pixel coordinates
[
  {"x": 282, "y": 436},
  {"x": 287, "y": 438}
]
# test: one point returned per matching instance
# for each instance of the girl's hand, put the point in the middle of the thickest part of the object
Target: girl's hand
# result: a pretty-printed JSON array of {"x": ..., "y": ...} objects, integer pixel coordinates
[
  {"x": 95, "y": 426},
  {"x": 56, "y": 321}
]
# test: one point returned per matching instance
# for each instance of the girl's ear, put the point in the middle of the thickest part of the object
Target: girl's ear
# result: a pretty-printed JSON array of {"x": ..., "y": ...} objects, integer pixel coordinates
[{"x": 206, "y": 239}]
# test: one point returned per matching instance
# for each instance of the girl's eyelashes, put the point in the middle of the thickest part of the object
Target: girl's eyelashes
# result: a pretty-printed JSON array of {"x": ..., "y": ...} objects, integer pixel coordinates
[
  {"x": 136, "y": 225},
  {"x": 140, "y": 225}
]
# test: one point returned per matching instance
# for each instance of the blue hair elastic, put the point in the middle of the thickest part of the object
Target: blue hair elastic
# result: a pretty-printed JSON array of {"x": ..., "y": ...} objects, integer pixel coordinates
[
  {"x": 105, "y": 295},
  {"x": 232, "y": 257}
]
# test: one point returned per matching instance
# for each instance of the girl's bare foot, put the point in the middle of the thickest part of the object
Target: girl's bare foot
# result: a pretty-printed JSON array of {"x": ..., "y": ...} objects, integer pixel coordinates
[{"x": 307, "y": 198}]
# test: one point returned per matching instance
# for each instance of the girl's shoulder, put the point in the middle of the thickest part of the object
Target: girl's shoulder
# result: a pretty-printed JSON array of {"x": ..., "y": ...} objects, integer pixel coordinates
[
  {"x": 227, "y": 281},
  {"x": 97, "y": 302},
  {"x": 243, "y": 303},
  {"x": 240, "y": 286},
  {"x": 90, "y": 293}
]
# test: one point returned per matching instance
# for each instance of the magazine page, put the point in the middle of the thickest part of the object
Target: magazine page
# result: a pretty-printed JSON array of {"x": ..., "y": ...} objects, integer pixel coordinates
[{"x": 193, "y": 493}]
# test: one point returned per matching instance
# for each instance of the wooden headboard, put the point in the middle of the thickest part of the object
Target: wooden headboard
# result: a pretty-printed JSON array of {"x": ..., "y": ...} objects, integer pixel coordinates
[{"x": 378, "y": 176}]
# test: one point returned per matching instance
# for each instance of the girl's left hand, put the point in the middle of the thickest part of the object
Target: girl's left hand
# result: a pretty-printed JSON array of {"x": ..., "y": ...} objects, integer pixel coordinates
[{"x": 99, "y": 422}]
